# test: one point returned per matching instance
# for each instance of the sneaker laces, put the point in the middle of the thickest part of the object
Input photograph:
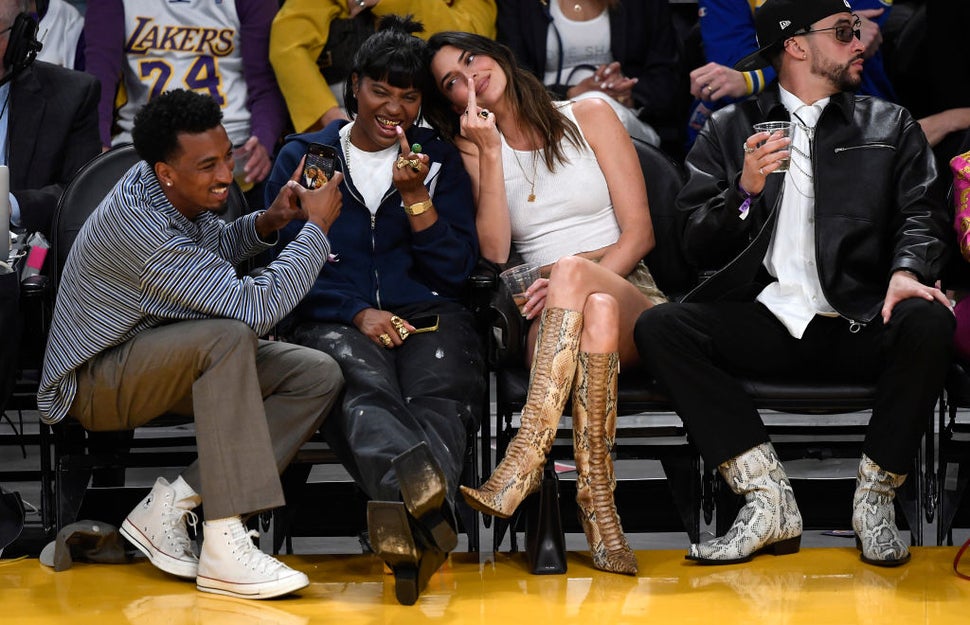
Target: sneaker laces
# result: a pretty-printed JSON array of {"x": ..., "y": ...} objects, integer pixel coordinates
[
  {"x": 246, "y": 552},
  {"x": 176, "y": 520}
]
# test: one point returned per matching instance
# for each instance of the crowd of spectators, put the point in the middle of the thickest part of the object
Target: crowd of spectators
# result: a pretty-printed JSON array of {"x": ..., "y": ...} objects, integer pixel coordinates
[
  {"x": 273, "y": 70},
  {"x": 664, "y": 67}
]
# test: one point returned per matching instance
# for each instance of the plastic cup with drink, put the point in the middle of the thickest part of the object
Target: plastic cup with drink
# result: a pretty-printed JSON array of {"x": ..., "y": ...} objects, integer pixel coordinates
[
  {"x": 518, "y": 279},
  {"x": 773, "y": 129},
  {"x": 241, "y": 156}
]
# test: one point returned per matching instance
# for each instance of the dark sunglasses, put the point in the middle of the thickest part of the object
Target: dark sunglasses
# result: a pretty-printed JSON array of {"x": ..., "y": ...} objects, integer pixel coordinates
[{"x": 843, "y": 32}]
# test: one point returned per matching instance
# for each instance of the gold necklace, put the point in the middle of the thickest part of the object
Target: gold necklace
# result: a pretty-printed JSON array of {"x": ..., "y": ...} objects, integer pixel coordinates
[{"x": 535, "y": 163}]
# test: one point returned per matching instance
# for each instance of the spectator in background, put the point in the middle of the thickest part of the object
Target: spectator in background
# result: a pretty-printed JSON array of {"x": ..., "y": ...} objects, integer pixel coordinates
[
  {"x": 302, "y": 29},
  {"x": 61, "y": 30},
  {"x": 928, "y": 85},
  {"x": 140, "y": 48},
  {"x": 728, "y": 35},
  {"x": 623, "y": 51},
  {"x": 48, "y": 130}
]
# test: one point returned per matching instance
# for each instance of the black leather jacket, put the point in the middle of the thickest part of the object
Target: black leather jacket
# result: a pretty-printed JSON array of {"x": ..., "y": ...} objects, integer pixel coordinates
[{"x": 877, "y": 207}]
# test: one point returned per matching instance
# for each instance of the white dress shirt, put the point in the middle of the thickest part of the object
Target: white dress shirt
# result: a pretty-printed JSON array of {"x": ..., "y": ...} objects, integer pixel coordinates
[{"x": 796, "y": 297}]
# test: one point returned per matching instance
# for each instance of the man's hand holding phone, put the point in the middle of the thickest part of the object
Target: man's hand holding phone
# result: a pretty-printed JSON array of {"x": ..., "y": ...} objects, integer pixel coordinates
[
  {"x": 294, "y": 201},
  {"x": 321, "y": 205}
]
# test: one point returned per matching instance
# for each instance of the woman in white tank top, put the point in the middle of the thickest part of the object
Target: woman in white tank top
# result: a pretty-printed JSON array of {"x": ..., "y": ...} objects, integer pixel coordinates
[{"x": 560, "y": 184}]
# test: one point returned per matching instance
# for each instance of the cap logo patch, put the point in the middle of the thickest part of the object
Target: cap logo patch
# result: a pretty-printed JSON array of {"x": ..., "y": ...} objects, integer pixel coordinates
[{"x": 783, "y": 24}]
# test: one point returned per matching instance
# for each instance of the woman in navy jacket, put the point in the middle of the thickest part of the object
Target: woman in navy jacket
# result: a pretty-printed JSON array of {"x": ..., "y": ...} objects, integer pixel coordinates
[{"x": 403, "y": 245}]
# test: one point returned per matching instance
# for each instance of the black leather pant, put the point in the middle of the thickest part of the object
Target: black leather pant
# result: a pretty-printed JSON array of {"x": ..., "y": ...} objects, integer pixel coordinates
[
  {"x": 428, "y": 389},
  {"x": 696, "y": 351}
]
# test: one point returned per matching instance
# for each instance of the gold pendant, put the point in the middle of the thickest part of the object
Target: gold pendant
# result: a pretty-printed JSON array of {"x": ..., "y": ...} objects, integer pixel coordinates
[{"x": 532, "y": 197}]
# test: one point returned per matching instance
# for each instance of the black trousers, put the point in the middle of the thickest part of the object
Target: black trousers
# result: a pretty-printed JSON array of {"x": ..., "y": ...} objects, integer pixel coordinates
[
  {"x": 696, "y": 352},
  {"x": 428, "y": 389},
  {"x": 10, "y": 331}
]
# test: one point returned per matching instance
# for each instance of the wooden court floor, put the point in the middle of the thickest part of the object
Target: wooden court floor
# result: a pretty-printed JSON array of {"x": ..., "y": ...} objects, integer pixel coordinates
[{"x": 817, "y": 586}]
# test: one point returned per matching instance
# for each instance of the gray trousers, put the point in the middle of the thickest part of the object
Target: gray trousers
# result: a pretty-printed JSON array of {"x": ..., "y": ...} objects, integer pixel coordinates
[{"x": 254, "y": 403}]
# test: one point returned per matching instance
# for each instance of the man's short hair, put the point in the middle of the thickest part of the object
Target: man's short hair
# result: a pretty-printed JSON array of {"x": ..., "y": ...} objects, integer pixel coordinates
[{"x": 158, "y": 123}]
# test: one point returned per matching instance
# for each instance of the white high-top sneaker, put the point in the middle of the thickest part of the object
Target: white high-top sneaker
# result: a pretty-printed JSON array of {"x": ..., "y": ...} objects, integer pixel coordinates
[
  {"x": 157, "y": 527},
  {"x": 231, "y": 564}
]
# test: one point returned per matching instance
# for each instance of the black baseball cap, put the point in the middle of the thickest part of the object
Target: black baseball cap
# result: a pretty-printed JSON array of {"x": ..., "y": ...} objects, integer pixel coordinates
[{"x": 777, "y": 20}]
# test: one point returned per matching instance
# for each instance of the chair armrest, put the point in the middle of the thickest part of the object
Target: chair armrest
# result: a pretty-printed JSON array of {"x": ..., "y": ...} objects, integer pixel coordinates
[
  {"x": 496, "y": 316},
  {"x": 35, "y": 287}
]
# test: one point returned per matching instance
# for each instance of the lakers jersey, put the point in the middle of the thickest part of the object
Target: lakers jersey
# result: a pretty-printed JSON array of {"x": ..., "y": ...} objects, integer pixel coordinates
[{"x": 188, "y": 44}]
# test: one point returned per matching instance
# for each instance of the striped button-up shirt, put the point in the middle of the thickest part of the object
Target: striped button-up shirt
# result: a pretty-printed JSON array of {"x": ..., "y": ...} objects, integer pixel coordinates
[{"x": 138, "y": 263}]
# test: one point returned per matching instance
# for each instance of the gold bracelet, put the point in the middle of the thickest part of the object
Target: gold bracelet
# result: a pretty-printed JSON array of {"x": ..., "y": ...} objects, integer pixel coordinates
[{"x": 418, "y": 208}]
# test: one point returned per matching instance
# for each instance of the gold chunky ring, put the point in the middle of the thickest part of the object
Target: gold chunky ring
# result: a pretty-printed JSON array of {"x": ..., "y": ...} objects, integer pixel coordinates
[
  {"x": 402, "y": 162},
  {"x": 483, "y": 113},
  {"x": 399, "y": 326},
  {"x": 415, "y": 164},
  {"x": 386, "y": 339},
  {"x": 747, "y": 148}
]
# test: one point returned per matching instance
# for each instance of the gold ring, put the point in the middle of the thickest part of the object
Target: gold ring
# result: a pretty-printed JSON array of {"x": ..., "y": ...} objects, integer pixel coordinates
[
  {"x": 483, "y": 113},
  {"x": 399, "y": 327},
  {"x": 747, "y": 148},
  {"x": 708, "y": 88},
  {"x": 402, "y": 162},
  {"x": 386, "y": 339}
]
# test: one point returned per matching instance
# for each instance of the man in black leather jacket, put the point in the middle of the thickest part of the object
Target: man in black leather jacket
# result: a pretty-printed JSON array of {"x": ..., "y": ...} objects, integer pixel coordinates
[{"x": 829, "y": 275}]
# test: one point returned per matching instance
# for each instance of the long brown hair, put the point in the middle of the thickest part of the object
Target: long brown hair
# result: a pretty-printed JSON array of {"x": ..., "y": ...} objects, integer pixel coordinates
[{"x": 530, "y": 101}]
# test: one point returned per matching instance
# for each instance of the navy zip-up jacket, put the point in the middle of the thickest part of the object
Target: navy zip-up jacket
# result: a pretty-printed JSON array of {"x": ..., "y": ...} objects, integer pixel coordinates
[{"x": 381, "y": 262}]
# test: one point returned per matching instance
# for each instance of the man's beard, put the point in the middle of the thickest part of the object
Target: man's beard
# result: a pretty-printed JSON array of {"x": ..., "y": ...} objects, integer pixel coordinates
[{"x": 842, "y": 77}]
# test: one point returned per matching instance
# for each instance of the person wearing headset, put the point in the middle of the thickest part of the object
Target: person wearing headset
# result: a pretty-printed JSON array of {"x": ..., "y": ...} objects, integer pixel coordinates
[{"x": 48, "y": 130}]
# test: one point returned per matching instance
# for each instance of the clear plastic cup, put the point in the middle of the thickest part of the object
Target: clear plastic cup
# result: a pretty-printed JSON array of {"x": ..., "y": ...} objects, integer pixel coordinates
[
  {"x": 518, "y": 279},
  {"x": 775, "y": 127},
  {"x": 241, "y": 157}
]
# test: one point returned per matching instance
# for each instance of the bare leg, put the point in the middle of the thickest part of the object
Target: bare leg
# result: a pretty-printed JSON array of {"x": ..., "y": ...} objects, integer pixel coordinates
[{"x": 572, "y": 281}]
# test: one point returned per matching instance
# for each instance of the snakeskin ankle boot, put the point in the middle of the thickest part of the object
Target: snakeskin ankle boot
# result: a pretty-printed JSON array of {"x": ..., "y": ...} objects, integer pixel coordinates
[
  {"x": 874, "y": 517},
  {"x": 769, "y": 521},
  {"x": 553, "y": 366}
]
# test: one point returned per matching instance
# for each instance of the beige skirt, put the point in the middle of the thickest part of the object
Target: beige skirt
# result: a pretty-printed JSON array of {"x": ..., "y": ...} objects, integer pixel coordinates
[{"x": 641, "y": 278}]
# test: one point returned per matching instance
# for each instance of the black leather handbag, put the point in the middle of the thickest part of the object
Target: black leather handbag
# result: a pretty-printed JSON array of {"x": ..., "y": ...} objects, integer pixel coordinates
[{"x": 545, "y": 541}]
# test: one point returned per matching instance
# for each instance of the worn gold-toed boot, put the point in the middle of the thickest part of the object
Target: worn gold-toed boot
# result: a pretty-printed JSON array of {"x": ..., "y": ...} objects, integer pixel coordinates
[
  {"x": 594, "y": 432},
  {"x": 553, "y": 366}
]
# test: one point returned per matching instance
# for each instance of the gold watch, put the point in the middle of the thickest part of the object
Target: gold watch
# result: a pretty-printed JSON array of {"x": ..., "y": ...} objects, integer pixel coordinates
[{"x": 418, "y": 208}]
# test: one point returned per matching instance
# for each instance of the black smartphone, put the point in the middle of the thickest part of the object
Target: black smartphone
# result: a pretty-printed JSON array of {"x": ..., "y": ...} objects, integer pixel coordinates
[
  {"x": 318, "y": 168},
  {"x": 424, "y": 323}
]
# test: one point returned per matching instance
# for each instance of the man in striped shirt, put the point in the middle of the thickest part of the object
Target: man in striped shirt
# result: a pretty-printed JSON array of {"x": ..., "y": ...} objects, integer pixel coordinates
[{"x": 152, "y": 318}]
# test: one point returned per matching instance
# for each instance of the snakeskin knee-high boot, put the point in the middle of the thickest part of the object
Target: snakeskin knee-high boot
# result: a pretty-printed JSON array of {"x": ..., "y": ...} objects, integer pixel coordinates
[
  {"x": 874, "y": 517},
  {"x": 769, "y": 520},
  {"x": 520, "y": 471},
  {"x": 594, "y": 432}
]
